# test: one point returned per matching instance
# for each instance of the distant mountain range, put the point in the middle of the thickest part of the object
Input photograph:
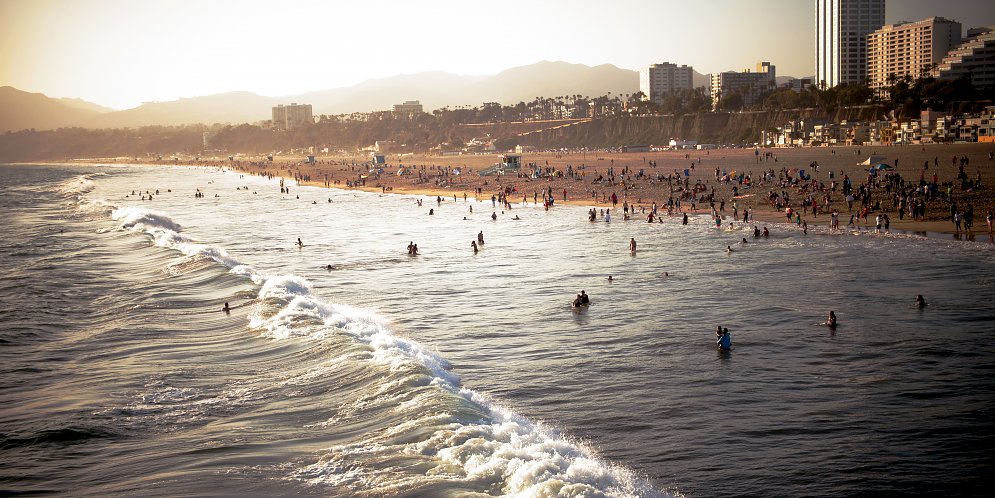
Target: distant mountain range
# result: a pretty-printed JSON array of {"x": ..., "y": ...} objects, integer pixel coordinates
[{"x": 20, "y": 110}]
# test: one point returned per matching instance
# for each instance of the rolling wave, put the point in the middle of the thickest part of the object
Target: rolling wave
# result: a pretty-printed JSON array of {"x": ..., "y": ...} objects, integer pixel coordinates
[{"x": 459, "y": 436}]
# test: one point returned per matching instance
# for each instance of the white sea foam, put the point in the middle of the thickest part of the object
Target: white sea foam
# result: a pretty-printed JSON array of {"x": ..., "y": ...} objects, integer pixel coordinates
[
  {"x": 504, "y": 450},
  {"x": 166, "y": 233},
  {"x": 78, "y": 186},
  {"x": 508, "y": 454},
  {"x": 75, "y": 189}
]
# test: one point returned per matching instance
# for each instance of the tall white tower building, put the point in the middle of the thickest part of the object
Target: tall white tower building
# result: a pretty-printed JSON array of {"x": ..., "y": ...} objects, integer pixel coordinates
[{"x": 841, "y": 29}]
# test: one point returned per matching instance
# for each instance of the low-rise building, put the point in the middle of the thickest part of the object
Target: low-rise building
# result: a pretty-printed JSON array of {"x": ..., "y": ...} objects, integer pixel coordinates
[
  {"x": 909, "y": 132},
  {"x": 798, "y": 85},
  {"x": 407, "y": 109},
  {"x": 750, "y": 85}
]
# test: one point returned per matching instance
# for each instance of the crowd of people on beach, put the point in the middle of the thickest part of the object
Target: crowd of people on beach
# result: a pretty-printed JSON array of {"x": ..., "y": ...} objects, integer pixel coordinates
[{"x": 798, "y": 195}]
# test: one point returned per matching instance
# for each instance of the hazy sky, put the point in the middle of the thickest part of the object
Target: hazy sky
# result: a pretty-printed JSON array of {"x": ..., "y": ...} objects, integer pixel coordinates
[{"x": 119, "y": 53}]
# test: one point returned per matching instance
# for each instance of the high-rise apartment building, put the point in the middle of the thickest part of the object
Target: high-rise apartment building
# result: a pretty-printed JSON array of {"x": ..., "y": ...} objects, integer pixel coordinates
[
  {"x": 841, "y": 29},
  {"x": 909, "y": 49},
  {"x": 659, "y": 79},
  {"x": 288, "y": 117}
]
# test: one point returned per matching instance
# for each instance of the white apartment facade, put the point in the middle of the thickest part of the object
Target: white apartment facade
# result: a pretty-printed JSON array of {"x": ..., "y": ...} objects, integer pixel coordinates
[
  {"x": 841, "y": 29},
  {"x": 659, "y": 79},
  {"x": 909, "y": 49}
]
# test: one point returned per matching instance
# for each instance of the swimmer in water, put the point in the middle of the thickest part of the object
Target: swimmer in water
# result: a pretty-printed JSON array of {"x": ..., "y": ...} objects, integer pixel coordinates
[
  {"x": 831, "y": 321},
  {"x": 226, "y": 309},
  {"x": 328, "y": 267},
  {"x": 744, "y": 240},
  {"x": 725, "y": 340},
  {"x": 920, "y": 301},
  {"x": 473, "y": 244},
  {"x": 299, "y": 243},
  {"x": 610, "y": 278},
  {"x": 584, "y": 298},
  {"x": 728, "y": 249}
]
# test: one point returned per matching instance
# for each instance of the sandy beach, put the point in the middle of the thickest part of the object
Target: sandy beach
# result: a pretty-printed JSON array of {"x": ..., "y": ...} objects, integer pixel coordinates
[{"x": 641, "y": 179}]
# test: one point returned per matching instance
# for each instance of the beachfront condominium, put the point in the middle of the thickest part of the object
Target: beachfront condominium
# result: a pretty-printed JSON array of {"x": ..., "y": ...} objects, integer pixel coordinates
[
  {"x": 747, "y": 84},
  {"x": 841, "y": 29},
  {"x": 288, "y": 117},
  {"x": 974, "y": 58},
  {"x": 908, "y": 49},
  {"x": 658, "y": 80}
]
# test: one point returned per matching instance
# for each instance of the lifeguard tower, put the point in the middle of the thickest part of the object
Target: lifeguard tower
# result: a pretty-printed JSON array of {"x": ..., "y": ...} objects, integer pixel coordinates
[{"x": 510, "y": 163}]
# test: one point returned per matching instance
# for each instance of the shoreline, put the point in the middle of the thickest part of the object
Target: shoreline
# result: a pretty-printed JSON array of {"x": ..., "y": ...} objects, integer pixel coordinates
[{"x": 641, "y": 180}]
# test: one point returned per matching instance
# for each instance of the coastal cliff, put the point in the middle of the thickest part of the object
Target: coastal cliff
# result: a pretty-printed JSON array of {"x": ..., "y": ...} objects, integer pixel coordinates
[
  {"x": 716, "y": 127},
  {"x": 415, "y": 135}
]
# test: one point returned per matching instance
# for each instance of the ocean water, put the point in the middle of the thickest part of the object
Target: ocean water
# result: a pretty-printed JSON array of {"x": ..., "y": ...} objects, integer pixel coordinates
[{"x": 454, "y": 374}]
